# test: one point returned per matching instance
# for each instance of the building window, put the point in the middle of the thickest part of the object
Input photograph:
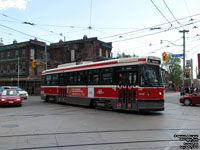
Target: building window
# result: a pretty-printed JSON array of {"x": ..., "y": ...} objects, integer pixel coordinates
[
  {"x": 8, "y": 68},
  {"x": 23, "y": 52},
  {"x": 72, "y": 55},
  {"x": 23, "y": 67},
  {"x": 100, "y": 51},
  {"x": 16, "y": 67},
  {"x": 2, "y": 54},
  {"x": 8, "y": 54},
  {"x": 2, "y": 68},
  {"x": 107, "y": 54},
  {"x": 16, "y": 53}
]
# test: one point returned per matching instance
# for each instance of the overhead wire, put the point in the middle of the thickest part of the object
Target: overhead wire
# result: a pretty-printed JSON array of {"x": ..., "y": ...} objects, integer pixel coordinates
[
  {"x": 126, "y": 33},
  {"x": 171, "y": 13},
  {"x": 31, "y": 24},
  {"x": 195, "y": 50},
  {"x": 150, "y": 28},
  {"x": 163, "y": 14},
  {"x": 120, "y": 35},
  {"x": 162, "y": 47},
  {"x": 12, "y": 34},
  {"x": 191, "y": 19},
  {"x": 24, "y": 33},
  {"x": 149, "y": 34}
]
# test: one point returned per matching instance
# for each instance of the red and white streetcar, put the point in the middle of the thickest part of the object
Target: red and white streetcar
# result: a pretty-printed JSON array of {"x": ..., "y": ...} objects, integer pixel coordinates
[{"x": 133, "y": 83}]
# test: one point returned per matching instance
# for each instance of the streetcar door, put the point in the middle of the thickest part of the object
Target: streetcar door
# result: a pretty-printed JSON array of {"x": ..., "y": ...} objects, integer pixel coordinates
[
  {"x": 126, "y": 91},
  {"x": 62, "y": 90}
]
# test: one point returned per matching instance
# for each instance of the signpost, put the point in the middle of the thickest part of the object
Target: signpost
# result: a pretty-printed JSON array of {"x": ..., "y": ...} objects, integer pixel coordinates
[{"x": 177, "y": 55}]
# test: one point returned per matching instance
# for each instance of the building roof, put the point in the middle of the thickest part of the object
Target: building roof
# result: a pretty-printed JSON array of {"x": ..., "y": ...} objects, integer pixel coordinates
[
  {"x": 85, "y": 39},
  {"x": 16, "y": 45}
]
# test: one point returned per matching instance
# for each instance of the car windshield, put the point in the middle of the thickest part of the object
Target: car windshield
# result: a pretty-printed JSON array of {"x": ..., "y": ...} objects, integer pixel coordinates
[
  {"x": 9, "y": 93},
  {"x": 1, "y": 89},
  {"x": 151, "y": 76},
  {"x": 18, "y": 89}
]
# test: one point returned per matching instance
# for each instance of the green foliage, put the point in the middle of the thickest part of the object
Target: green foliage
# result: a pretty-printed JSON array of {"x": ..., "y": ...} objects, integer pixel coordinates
[
  {"x": 123, "y": 55},
  {"x": 172, "y": 65},
  {"x": 187, "y": 82}
]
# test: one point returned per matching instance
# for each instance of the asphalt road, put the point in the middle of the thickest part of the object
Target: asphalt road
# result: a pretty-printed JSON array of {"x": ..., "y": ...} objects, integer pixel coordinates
[
  {"x": 39, "y": 125},
  {"x": 172, "y": 97}
]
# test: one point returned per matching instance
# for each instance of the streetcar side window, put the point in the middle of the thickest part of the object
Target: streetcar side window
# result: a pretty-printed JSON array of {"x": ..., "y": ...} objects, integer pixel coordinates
[
  {"x": 62, "y": 79},
  {"x": 54, "y": 79},
  {"x": 81, "y": 78},
  {"x": 128, "y": 78},
  {"x": 135, "y": 82},
  {"x": 93, "y": 77},
  {"x": 48, "y": 80},
  {"x": 70, "y": 78},
  {"x": 106, "y": 76}
]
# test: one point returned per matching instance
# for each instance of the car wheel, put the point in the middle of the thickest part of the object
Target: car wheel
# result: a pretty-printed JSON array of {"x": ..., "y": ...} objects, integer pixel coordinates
[{"x": 187, "y": 102}]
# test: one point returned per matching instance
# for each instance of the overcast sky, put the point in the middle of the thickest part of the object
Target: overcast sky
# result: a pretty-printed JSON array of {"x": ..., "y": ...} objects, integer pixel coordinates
[{"x": 134, "y": 26}]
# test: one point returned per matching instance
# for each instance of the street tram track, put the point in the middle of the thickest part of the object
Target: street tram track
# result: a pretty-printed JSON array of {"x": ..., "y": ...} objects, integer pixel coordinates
[
  {"x": 92, "y": 144},
  {"x": 102, "y": 131}
]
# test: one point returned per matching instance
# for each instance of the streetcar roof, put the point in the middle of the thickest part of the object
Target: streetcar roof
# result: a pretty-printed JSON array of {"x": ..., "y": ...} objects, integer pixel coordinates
[{"x": 103, "y": 64}]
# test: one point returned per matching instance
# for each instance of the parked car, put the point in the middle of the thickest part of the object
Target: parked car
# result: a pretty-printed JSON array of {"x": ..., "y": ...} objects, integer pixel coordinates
[
  {"x": 1, "y": 90},
  {"x": 22, "y": 92},
  {"x": 191, "y": 99},
  {"x": 10, "y": 97}
]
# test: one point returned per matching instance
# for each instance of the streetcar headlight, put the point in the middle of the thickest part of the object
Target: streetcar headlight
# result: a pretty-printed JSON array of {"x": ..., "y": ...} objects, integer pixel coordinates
[{"x": 160, "y": 93}]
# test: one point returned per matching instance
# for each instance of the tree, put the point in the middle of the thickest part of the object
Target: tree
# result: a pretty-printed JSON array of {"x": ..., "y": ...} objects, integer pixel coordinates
[
  {"x": 123, "y": 55},
  {"x": 172, "y": 65}
]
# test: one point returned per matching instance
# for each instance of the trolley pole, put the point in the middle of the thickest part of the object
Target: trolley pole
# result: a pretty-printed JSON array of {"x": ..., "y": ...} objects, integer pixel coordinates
[{"x": 184, "y": 31}]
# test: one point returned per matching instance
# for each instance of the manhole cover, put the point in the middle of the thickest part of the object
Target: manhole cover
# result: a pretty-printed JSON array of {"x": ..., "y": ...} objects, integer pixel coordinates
[{"x": 10, "y": 126}]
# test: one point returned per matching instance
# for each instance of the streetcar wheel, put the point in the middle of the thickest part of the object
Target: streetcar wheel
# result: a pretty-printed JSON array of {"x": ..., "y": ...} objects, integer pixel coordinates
[
  {"x": 187, "y": 102},
  {"x": 94, "y": 104},
  {"x": 47, "y": 99}
]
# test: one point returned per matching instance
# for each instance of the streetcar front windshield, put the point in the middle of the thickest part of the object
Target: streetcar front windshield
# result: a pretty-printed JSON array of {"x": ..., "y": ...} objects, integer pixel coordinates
[{"x": 151, "y": 76}]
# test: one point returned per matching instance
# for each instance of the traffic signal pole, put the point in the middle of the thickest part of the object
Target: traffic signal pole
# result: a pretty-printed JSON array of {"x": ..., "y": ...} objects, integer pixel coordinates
[{"x": 184, "y": 31}]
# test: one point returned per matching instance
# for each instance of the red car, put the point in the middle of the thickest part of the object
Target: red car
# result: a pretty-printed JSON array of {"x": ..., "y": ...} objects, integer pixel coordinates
[
  {"x": 10, "y": 97},
  {"x": 191, "y": 99}
]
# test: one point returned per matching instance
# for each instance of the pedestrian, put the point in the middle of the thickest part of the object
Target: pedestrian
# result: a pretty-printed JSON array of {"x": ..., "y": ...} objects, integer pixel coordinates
[
  {"x": 192, "y": 89},
  {"x": 182, "y": 91}
]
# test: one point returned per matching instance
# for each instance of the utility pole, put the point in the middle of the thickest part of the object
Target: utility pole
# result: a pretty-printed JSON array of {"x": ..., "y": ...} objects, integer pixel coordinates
[
  {"x": 45, "y": 51},
  {"x": 191, "y": 72},
  {"x": 18, "y": 71},
  {"x": 184, "y": 31}
]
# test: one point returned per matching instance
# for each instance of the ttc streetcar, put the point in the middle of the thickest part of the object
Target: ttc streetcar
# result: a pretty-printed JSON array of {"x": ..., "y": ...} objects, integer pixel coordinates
[{"x": 133, "y": 83}]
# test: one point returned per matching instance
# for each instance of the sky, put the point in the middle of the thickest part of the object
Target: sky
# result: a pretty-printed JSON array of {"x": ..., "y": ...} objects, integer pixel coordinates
[{"x": 133, "y": 26}]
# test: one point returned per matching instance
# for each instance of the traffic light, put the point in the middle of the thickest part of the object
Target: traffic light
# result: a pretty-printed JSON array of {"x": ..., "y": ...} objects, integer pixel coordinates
[
  {"x": 33, "y": 63},
  {"x": 164, "y": 56},
  {"x": 187, "y": 74}
]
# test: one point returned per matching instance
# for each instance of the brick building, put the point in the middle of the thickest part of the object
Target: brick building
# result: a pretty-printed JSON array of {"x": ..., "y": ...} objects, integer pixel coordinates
[
  {"x": 22, "y": 54},
  {"x": 86, "y": 49}
]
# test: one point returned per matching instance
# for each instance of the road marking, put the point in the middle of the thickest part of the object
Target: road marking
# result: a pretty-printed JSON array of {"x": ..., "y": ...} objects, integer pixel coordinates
[{"x": 172, "y": 142}]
